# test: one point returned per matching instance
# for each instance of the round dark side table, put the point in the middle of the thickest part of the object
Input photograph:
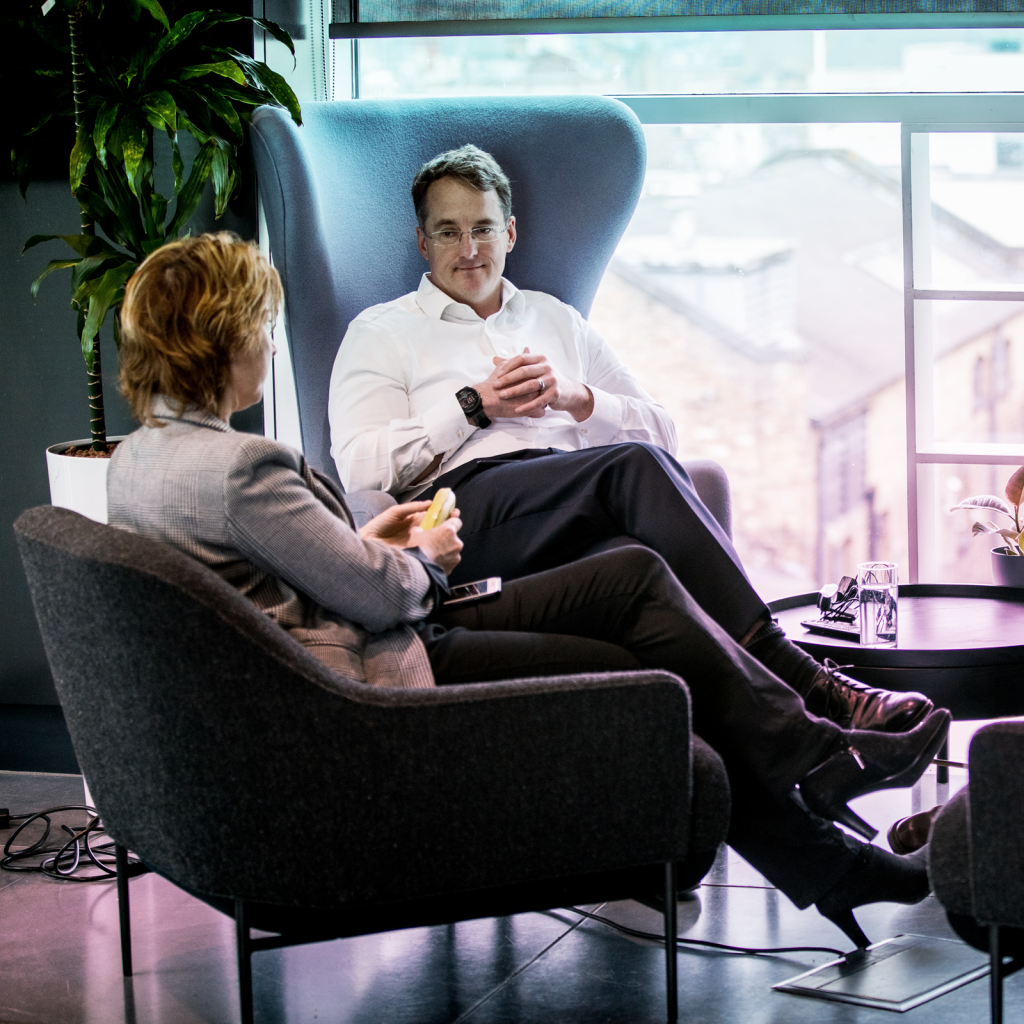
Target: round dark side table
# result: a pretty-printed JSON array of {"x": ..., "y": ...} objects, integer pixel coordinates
[{"x": 961, "y": 645}]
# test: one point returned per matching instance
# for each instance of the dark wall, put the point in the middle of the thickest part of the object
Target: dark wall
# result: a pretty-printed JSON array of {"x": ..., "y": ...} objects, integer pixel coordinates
[{"x": 42, "y": 387}]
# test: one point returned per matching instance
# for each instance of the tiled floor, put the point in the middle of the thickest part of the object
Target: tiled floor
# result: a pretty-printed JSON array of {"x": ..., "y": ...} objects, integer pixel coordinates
[{"x": 59, "y": 960}]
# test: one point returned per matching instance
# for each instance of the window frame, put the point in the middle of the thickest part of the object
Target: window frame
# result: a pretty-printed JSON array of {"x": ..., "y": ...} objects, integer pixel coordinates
[{"x": 916, "y": 113}]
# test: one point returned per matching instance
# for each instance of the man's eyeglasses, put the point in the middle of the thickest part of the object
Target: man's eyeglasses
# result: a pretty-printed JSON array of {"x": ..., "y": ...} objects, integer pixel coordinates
[{"x": 481, "y": 235}]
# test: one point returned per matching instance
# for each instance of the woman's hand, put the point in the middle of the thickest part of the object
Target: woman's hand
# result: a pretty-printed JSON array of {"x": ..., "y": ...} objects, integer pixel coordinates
[
  {"x": 393, "y": 525},
  {"x": 441, "y": 544},
  {"x": 399, "y": 526}
]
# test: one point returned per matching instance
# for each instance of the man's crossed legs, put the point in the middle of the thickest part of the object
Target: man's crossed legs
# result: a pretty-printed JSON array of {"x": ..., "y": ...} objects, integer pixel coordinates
[{"x": 529, "y": 511}]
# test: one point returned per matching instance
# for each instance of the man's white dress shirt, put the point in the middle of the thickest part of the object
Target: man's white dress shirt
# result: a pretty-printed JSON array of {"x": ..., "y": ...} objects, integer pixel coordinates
[{"x": 392, "y": 402}]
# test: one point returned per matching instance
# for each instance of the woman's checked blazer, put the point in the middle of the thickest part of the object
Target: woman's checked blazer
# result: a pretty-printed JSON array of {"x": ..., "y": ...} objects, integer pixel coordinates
[{"x": 252, "y": 510}]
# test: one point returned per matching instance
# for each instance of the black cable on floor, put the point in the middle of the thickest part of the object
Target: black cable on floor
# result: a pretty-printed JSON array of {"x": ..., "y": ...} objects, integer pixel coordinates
[
  {"x": 702, "y": 942},
  {"x": 67, "y": 858}
]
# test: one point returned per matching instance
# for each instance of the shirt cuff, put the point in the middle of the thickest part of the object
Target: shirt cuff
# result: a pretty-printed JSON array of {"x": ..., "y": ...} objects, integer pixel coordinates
[
  {"x": 446, "y": 426},
  {"x": 605, "y": 422}
]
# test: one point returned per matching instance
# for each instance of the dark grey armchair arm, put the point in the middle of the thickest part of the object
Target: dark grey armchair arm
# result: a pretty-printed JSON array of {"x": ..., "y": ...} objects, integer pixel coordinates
[
  {"x": 539, "y": 778},
  {"x": 997, "y": 824}
]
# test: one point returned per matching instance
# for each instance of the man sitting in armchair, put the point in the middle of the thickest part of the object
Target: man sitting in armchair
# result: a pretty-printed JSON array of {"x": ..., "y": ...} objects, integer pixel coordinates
[{"x": 513, "y": 400}]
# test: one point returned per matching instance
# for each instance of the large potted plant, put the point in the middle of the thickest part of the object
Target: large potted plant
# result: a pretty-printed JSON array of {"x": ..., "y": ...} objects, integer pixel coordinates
[{"x": 139, "y": 72}]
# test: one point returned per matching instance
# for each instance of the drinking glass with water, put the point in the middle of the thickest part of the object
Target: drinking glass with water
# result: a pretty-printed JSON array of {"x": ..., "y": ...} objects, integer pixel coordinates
[{"x": 877, "y": 588}]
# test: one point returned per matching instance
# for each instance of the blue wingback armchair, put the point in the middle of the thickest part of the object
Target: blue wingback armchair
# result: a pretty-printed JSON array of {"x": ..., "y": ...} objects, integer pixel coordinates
[{"x": 336, "y": 198}]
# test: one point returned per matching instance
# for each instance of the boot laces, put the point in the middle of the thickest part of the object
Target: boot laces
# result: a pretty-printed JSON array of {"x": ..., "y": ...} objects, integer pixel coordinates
[{"x": 834, "y": 683}]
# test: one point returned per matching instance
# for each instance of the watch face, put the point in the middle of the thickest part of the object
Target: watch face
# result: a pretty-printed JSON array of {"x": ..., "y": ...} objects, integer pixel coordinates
[{"x": 469, "y": 399}]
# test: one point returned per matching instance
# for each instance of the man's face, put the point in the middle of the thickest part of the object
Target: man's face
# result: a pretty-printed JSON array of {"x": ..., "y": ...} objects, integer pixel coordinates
[{"x": 468, "y": 271}]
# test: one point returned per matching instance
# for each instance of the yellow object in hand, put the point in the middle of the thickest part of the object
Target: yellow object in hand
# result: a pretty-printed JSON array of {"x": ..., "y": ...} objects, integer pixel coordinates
[{"x": 440, "y": 509}]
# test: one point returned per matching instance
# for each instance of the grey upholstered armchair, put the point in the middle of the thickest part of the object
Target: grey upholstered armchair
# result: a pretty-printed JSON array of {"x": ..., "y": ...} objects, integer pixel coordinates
[
  {"x": 206, "y": 732},
  {"x": 976, "y": 854},
  {"x": 341, "y": 225}
]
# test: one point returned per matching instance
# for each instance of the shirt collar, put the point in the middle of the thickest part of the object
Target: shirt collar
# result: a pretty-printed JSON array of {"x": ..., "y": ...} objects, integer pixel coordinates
[
  {"x": 435, "y": 303},
  {"x": 163, "y": 409}
]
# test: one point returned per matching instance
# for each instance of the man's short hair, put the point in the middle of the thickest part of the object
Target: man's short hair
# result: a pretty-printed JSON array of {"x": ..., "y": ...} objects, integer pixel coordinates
[
  {"x": 468, "y": 164},
  {"x": 189, "y": 310}
]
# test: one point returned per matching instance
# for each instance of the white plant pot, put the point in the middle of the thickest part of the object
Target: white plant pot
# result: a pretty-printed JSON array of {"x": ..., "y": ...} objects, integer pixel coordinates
[
  {"x": 78, "y": 484},
  {"x": 1007, "y": 570}
]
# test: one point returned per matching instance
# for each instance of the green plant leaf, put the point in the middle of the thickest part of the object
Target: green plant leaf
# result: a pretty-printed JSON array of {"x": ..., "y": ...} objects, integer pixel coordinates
[
  {"x": 277, "y": 32},
  {"x": 225, "y": 68},
  {"x": 221, "y": 168},
  {"x": 81, "y": 155},
  {"x": 985, "y": 501},
  {"x": 217, "y": 17},
  {"x": 155, "y": 9},
  {"x": 221, "y": 107},
  {"x": 84, "y": 245},
  {"x": 157, "y": 213},
  {"x": 133, "y": 143},
  {"x": 197, "y": 133},
  {"x": 249, "y": 95},
  {"x": 104, "y": 122},
  {"x": 50, "y": 268},
  {"x": 179, "y": 32},
  {"x": 100, "y": 211},
  {"x": 177, "y": 163},
  {"x": 91, "y": 266},
  {"x": 1015, "y": 487},
  {"x": 108, "y": 291},
  {"x": 191, "y": 193},
  {"x": 161, "y": 110},
  {"x": 273, "y": 83}
]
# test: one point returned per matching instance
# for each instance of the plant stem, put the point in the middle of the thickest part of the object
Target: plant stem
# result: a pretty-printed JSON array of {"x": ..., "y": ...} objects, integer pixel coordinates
[
  {"x": 94, "y": 372},
  {"x": 97, "y": 420}
]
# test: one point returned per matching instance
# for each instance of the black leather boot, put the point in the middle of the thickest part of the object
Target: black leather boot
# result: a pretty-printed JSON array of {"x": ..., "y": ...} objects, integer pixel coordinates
[
  {"x": 828, "y": 693},
  {"x": 868, "y": 761},
  {"x": 855, "y": 705},
  {"x": 876, "y": 877}
]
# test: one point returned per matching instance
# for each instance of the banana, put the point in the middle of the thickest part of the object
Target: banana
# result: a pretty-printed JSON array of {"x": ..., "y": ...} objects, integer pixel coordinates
[{"x": 440, "y": 509}]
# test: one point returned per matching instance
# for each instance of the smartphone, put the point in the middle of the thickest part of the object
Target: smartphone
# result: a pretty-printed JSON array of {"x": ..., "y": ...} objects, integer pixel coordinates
[{"x": 479, "y": 590}]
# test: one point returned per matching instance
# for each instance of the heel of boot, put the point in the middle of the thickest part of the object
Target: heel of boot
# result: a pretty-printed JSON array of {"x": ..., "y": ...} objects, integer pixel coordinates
[
  {"x": 854, "y": 823},
  {"x": 845, "y": 920}
]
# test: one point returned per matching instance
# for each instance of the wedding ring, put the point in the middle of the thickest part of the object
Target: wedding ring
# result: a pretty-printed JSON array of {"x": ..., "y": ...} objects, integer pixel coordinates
[{"x": 540, "y": 381}]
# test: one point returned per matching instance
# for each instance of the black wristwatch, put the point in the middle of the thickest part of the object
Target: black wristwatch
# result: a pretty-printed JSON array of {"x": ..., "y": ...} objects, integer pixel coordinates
[{"x": 473, "y": 406}]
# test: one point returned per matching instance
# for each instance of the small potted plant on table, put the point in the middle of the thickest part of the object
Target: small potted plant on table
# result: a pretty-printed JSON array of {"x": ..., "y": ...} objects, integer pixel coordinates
[
  {"x": 136, "y": 70},
  {"x": 1007, "y": 560}
]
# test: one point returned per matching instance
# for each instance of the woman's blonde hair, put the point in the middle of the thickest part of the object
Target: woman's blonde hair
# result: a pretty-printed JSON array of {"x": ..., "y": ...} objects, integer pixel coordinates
[{"x": 191, "y": 308}]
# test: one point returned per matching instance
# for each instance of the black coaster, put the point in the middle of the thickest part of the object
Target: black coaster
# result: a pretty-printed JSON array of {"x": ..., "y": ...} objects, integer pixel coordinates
[{"x": 897, "y": 974}]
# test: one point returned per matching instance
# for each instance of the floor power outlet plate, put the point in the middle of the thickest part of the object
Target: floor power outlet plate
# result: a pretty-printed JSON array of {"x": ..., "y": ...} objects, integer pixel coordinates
[{"x": 896, "y": 974}]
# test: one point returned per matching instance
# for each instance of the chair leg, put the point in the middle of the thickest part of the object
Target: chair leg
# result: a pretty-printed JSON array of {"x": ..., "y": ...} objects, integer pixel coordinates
[
  {"x": 671, "y": 946},
  {"x": 244, "y": 960},
  {"x": 995, "y": 981},
  {"x": 121, "y": 862}
]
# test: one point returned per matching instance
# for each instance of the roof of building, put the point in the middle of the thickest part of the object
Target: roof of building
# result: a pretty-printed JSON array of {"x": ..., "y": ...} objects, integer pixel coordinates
[{"x": 839, "y": 219}]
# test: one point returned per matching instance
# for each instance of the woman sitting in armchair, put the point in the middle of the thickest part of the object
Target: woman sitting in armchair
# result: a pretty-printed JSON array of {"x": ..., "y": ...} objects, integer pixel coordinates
[{"x": 196, "y": 348}]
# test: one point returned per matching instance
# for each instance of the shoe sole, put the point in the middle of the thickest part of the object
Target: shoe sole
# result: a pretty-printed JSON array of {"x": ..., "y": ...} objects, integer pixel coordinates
[{"x": 909, "y": 776}]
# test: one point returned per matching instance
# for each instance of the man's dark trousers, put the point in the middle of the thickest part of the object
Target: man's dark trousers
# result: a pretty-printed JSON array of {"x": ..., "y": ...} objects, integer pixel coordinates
[{"x": 532, "y": 510}]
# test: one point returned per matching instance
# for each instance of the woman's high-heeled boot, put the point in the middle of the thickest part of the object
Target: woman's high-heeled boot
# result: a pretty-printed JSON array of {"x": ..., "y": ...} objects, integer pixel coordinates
[
  {"x": 876, "y": 877},
  {"x": 869, "y": 761}
]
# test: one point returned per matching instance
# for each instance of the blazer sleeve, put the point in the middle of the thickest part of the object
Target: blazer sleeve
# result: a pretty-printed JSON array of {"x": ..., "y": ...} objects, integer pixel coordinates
[{"x": 276, "y": 522}]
